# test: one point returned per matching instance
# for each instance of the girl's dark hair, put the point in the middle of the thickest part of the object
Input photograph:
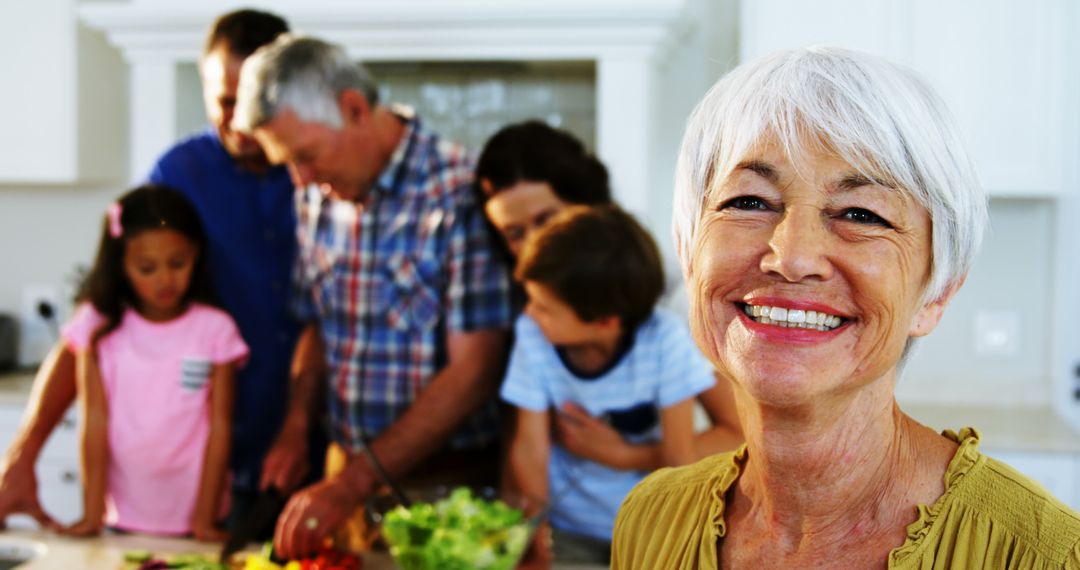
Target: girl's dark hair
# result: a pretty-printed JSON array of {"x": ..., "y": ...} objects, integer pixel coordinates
[
  {"x": 532, "y": 151},
  {"x": 148, "y": 207}
]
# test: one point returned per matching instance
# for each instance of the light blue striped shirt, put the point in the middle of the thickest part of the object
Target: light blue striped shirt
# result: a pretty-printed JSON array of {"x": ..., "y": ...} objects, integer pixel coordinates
[{"x": 662, "y": 368}]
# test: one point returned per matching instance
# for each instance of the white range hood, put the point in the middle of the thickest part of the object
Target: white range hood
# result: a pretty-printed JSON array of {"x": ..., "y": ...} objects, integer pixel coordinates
[{"x": 625, "y": 38}]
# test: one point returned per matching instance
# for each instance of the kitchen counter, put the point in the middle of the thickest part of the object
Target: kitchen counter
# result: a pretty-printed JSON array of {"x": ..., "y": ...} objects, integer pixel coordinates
[
  {"x": 1003, "y": 429},
  {"x": 107, "y": 551}
]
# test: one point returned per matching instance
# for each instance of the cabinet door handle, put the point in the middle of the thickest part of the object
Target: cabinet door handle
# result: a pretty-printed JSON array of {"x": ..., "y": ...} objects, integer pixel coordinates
[{"x": 69, "y": 477}]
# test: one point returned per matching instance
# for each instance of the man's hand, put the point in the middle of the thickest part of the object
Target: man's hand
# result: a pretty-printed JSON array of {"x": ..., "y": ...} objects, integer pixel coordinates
[
  {"x": 286, "y": 464},
  {"x": 19, "y": 494},
  {"x": 313, "y": 514}
]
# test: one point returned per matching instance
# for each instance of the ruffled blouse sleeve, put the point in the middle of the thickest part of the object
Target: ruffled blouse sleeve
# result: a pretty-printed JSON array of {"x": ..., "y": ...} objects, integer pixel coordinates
[{"x": 990, "y": 516}]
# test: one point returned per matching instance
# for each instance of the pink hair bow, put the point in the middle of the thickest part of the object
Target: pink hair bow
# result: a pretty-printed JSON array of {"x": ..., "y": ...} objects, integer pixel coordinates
[{"x": 113, "y": 212}]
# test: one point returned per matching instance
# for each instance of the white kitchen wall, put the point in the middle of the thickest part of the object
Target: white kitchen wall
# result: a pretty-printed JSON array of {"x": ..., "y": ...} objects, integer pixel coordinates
[{"x": 1011, "y": 276}]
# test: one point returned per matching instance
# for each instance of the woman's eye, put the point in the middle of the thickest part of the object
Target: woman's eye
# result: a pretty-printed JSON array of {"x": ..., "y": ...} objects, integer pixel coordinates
[
  {"x": 862, "y": 216},
  {"x": 745, "y": 203}
]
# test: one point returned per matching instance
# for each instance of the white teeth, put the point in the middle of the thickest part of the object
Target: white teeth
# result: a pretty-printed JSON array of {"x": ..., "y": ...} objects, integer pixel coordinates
[{"x": 793, "y": 318}]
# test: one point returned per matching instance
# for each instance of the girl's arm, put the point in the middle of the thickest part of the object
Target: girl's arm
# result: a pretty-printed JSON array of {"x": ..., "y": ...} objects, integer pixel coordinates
[
  {"x": 51, "y": 396},
  {"x": 215, "y": 465},
  {"x": 95, "y": 443},
  {"x": 677, "y": 434}
]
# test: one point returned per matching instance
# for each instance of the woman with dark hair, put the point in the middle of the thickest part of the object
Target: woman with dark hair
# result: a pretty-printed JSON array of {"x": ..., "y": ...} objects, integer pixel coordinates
[
  {"x": 154, "y": 369},
  {"x": 527, "y": 173}
]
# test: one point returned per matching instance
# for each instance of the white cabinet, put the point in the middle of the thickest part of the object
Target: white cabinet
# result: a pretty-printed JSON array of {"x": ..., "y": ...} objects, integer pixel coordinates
[
  {"x": 64, "y": 98},
  {"x": 59, "y": 487},
  {"x": 1055, "y": 471},
  {"x": 1002, "y": 67}
]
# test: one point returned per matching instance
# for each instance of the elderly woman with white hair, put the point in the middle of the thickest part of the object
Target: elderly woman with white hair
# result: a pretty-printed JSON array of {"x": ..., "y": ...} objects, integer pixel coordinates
[{"x": 825, "y": 214}]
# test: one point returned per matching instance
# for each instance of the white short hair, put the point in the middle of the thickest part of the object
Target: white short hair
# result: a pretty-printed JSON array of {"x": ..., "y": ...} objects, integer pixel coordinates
[
  {"x": 300, "y": 73},
  {"x": 880, "y": 117}
]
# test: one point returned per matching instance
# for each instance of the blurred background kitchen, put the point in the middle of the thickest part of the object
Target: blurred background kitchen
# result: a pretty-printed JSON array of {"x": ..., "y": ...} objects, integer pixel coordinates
[{"x": 93, "y": 91}]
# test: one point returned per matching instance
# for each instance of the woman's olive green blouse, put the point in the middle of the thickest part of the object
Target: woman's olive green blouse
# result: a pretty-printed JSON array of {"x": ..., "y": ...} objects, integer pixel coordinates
[{"x": 990, "y": 516}]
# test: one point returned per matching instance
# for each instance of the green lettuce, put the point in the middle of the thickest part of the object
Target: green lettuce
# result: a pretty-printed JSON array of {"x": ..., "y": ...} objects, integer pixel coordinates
[{"x": 460, "y": 532}]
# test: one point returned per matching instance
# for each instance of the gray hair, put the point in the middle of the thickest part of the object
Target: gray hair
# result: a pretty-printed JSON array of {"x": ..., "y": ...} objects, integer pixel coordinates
[
  {"x": 304, "y": 74},
  {"x": 880, "y": 117}
]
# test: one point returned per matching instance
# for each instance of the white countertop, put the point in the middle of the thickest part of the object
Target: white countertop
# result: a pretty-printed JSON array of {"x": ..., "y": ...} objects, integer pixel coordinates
[
  {"x": 1003, "y": 429},
  {"x": 106, "y": 552}
]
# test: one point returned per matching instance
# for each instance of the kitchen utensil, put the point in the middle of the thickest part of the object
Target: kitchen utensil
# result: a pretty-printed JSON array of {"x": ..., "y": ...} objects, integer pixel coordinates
[{"x": 263, "y": 513}]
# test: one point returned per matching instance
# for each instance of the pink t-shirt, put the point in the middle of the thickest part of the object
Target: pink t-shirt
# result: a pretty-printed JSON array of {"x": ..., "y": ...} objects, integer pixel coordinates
[{"x": 156, "y": 378}]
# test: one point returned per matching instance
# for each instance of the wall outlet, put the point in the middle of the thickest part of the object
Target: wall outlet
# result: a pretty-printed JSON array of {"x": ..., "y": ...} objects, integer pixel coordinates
[
  {"x": 37, "y": 334},
  {"x": 997, "y": 333}
]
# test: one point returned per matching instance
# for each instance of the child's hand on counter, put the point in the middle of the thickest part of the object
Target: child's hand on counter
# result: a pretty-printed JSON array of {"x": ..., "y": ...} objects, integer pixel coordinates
[
  {"x": 86, "y": 527},
  {"x": 208, "y": 532}
]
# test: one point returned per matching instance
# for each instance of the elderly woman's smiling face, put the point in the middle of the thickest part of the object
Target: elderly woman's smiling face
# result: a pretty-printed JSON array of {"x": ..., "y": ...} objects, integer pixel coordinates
[{"x": 808, "y": 278}]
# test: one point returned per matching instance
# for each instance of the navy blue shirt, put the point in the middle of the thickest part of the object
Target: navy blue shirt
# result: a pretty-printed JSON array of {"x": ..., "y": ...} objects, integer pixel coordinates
[{"x": 250, "y": 222}]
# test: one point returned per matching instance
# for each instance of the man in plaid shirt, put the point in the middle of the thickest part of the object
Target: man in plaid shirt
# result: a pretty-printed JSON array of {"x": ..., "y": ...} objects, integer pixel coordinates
[{"x": 406, "y": 298}]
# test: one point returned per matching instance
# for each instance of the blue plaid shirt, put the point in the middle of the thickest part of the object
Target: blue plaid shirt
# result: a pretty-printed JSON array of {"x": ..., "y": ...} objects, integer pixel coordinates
[{"x": 388, "y": 279}]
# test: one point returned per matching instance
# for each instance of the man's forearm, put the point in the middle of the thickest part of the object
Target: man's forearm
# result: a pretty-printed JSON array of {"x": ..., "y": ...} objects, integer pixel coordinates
[
  {"x": 456, "y": 391},
  {"x": 52, "y": 395}
]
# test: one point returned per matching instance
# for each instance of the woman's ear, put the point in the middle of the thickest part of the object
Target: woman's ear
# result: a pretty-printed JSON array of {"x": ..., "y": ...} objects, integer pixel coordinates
[
  {"x": 928, "y": 317},
  {"x": 354, "y": 106}
]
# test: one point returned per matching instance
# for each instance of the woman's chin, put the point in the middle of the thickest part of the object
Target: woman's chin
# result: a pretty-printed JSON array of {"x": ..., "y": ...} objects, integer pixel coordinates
[{"x": 779, "y": 384}]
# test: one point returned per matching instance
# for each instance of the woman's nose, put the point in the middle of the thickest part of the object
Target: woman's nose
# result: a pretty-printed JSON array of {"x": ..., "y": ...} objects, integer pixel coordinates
[{"x": 798, "y": 247}]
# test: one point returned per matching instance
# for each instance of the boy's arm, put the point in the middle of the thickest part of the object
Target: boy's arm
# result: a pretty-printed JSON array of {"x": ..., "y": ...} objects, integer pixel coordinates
[
  {"x": 677, "y": 433},
  {"x": 51, "y": 396},
  {"x": 215, "y": 465},
  {"x": 529, "y": 454},
  {"x": 593, "y": 439},
  {"x": 530, "y": 451},
  {"x": 95, "y": 444}
]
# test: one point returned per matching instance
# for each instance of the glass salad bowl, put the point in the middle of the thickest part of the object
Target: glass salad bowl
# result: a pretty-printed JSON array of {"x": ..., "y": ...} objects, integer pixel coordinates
[{"x": 454, "y": 528}]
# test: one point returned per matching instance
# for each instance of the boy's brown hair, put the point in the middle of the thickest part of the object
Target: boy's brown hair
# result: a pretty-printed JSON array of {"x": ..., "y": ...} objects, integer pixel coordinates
[{"x": 599, "y": 261}]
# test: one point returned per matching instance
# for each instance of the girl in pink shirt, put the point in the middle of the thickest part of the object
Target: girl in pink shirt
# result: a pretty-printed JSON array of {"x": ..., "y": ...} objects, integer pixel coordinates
[{"x": 154, "y": 365}]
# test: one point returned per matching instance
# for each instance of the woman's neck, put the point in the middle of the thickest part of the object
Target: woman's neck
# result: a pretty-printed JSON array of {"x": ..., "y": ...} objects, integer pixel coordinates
[{"x": 845, "y": 473}]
